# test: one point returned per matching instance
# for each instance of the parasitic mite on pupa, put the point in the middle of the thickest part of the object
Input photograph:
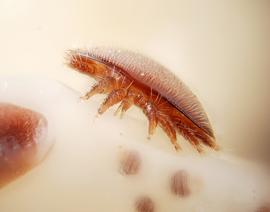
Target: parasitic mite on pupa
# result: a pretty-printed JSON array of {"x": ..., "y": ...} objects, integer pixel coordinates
[{"x": 129, "y": 78}]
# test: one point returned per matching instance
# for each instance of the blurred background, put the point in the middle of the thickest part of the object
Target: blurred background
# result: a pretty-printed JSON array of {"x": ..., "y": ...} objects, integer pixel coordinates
[{"x": 219, "y": 48}]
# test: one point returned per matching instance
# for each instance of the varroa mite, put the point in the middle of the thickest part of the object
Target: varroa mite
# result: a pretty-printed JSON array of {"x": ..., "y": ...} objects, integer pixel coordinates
[{"x": 130, "y": 78}]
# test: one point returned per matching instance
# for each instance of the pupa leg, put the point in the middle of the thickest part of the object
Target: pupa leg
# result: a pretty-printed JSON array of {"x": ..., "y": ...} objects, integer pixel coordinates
[
  {"x": 113, "y": 98},
  {"x": 103, "y": 86},
  {"x": 167, "y": 125}
]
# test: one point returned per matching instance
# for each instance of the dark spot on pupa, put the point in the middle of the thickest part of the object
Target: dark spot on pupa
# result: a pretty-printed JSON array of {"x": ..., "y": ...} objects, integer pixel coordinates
[
  {"x": 130, "y": 162},
  {"x": 144, "y": 204},
  {"x": 180, "y": 184}
]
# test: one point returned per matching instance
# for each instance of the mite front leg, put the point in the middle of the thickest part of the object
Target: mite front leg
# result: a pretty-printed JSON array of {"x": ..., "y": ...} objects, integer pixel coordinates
[
  {"x": 113, "y": 98},
  {"x": 105, "y": 85},
  {"x": 150, "y": 111}
]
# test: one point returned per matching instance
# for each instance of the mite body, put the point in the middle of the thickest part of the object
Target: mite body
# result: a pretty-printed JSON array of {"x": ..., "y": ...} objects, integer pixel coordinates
[{"x": 132, "y": 79}]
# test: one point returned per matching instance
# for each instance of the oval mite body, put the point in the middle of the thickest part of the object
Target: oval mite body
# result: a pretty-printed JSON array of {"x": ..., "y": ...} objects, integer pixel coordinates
[{"x": 133, "y": 79}]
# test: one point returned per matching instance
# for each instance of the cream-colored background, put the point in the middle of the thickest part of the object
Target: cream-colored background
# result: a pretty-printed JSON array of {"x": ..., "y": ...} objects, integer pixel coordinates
[{"x": 219, "y": 48}]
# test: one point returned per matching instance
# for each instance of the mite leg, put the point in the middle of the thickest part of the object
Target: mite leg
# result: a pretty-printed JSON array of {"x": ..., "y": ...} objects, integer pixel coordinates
[
  {"x": 168, "y": 127},
  {"x": 127, "y": 102},
  {"x": 150, "y": 111},
  {"x": 207, "y": 140},
  {"x": 123, "y": 107},
  {"x": 113, "y": 98},
  {"x": 195, "y": 143},
  {"x": 103, "y": 86},
  {"x": 189, "y": 135}
]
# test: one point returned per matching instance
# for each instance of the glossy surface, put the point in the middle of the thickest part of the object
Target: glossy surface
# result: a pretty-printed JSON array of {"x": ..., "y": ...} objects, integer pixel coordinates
[
  {"x": 82, "y": 170},
  {"x": 22, "y": 134},
  {"x": 226, "y": 41}
]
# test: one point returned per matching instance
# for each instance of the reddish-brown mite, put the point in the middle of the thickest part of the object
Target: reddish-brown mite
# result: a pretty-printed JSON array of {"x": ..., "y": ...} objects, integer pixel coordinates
[{"x": 132, "y": 79}]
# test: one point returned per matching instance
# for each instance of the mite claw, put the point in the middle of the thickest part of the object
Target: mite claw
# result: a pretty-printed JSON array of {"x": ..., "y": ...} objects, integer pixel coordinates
[
  {"x": 100, "y": 111},
  {"x": 177, "y": 147},
  {"x": 216, "y": 147},
  {"x": 121, "y": 115},
  {"x": 199, "y": 149},
  {"x": 85, "y": 97},
  {"x": 118, "y": 110}
]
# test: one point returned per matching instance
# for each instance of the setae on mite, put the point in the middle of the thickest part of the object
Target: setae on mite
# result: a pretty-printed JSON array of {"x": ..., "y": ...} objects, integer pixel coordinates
[{"x": 131, "y": 79}]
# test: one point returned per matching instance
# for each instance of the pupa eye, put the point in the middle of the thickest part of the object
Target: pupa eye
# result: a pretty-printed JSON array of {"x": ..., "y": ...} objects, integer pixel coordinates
[
  {"x": 23, "y": 137},
  {"x": 129, "y": 78},
  {"x": 26, "y": 124}
]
